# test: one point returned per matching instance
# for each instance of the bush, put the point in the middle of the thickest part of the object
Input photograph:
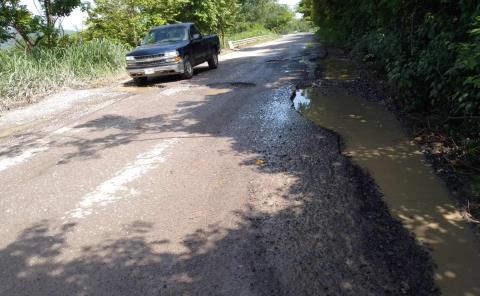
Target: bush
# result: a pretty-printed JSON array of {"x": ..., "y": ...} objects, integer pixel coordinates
[{"x": 429, "y": 51}]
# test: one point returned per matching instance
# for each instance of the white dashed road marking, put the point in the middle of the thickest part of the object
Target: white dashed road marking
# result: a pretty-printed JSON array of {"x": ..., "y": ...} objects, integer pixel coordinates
[
  {"x": 115, "y": 189},
  {"x": 27, "y": 154}
]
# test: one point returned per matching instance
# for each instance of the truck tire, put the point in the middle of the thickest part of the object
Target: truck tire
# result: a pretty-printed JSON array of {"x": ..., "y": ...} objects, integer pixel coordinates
[
  {"x": 213, "y": 61},
  {"x": 187, "y": 68},
  {"x": 140, "y": 81}
]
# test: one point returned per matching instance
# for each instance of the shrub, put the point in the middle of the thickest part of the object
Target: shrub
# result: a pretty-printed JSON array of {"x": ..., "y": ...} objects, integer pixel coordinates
[{"x": 429, "y": 51}]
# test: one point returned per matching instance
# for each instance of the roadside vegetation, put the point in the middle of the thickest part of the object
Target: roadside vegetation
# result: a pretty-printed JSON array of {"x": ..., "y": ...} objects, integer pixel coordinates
[
  {"x": 45, "y": 70},
  {"x": 429, "y": 52},
  {"x": 253, "y": 31},
  {"x": 44, "y": 59}
]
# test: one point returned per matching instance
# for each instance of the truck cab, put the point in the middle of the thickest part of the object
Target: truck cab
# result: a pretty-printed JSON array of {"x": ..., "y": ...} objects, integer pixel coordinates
[{"x": 172, "y": 50}]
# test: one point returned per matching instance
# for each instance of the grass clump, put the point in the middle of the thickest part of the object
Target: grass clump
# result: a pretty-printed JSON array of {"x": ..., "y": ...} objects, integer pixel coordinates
[
  {"x": 255, "y": 32},
  {"x": 26, "y": 74}
]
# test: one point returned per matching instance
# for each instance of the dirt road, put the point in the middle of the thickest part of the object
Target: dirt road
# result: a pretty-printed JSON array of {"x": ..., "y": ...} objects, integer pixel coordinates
[{"x": 212, "y": 186}]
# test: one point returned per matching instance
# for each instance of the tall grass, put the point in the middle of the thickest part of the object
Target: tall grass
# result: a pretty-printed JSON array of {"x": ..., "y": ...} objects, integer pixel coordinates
[
  {"x": 24, "y": 75},
  {"x": 250, "y": 33}
]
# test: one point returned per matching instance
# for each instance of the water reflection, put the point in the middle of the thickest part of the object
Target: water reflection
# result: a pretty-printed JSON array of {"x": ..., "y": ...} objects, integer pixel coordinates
[
  {"x": 338, "y": 69},
  {"x": 301, "y": 101},
  {"x": 374, "y": 139}
]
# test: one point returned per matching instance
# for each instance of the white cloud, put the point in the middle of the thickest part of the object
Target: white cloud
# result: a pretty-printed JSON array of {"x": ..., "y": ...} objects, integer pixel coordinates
[
  {"x": 291, "y": 3},
  {"x": 73, "y": 22}
]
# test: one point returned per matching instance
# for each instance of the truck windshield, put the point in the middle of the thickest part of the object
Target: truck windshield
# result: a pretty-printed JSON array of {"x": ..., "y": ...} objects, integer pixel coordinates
[{"x": 165, "y": 35}]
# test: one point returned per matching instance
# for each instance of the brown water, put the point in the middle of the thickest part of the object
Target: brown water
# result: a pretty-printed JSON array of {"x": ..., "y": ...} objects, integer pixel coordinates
[
  {"x": 338, "y": 69},
  {"x": 375, "y": 141}
]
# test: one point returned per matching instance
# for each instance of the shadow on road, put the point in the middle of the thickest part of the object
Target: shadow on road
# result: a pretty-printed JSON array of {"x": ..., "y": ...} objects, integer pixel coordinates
[{"x": 300, "y": 256}]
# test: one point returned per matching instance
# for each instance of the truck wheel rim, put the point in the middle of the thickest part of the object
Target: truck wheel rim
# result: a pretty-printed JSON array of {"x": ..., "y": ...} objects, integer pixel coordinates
[{"x": 188, "y": 67}]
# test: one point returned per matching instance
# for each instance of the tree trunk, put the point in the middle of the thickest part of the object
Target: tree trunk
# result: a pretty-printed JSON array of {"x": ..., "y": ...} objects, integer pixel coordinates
[
  {"x": 24, "y": 36},
  {"x": 48, "y": 17},
  {"x": 223, "y": 36}
]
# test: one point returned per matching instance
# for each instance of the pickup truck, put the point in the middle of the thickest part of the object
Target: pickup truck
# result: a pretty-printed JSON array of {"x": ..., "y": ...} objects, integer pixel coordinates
[{"x": 172, "y": 50}]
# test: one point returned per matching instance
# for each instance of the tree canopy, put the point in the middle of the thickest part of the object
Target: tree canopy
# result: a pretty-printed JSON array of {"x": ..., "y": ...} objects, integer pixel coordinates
[
  {"x": 16, "y": 19},
  {"x": 128, "y": 20}
]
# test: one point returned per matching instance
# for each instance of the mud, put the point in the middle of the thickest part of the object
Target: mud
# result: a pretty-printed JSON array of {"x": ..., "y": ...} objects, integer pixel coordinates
[
  {"x": 374, "y": 139},
  {"x": 339, "y": 69},
  {"x": 329, "y": 231}
]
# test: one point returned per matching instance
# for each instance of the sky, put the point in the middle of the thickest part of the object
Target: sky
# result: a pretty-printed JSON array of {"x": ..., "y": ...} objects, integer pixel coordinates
[
  {"x": 291, "y": 3},
  {"x": 76, "y": 20},
  {"x": 73, "y": 22}
]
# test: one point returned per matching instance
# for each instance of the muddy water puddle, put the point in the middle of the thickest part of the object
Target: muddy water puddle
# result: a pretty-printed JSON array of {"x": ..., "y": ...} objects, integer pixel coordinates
[
  {"x": 376, "y": 142},
  {"x": 339, "y": 69}
]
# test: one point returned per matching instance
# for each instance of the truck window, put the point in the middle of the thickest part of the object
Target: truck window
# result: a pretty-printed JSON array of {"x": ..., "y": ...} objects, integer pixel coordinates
[
  {"x": 166, "y": 35},
  {"x": 193, "y": 31}
]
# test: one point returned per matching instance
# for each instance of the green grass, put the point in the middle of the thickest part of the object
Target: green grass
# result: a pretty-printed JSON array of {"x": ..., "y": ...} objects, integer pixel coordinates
[
  {"x": 249, "y": 34},
  {"x": 28, "y": 74}
]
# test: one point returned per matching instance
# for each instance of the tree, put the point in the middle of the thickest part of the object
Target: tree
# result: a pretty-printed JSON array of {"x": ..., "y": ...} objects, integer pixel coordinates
[
  {"x": 278, "y": 17},
  {"x": 16, "y": 19},
  {"x": 128, "y": 20},
  {"x": 265, "y": 13},
  {"x": 255, "y": 11},
  {"x": 52, "y": 11},
  {"x": 429, "y": 51},
  {"x": 211, "y": 15},
  {"x": 227, "y": 16},
  {"x": 305, "y": 7}
]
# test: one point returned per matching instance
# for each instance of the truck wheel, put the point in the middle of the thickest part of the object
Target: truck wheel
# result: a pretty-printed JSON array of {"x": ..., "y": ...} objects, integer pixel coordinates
[
  {"x": 140, "y": 81},
  {"x": 187, "y": 69},
  {"x": 213, "y": 61}
]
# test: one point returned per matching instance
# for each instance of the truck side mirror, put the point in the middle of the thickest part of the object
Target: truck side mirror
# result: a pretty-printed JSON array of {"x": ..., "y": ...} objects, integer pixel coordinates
[{"x": 195, "y": 36}]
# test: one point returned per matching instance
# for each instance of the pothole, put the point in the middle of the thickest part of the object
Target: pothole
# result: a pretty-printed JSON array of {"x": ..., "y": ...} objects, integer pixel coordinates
[
  {"x": 234, "y": 84},
  {"x": 243, "y": 84},
  {"x": 284, "y": 59},
  {"x": 131, "y": 83},
  {"x": 375, "y": 141},
  {"x": 158, "y": 85},
  {"x": 276, "y": 60}
]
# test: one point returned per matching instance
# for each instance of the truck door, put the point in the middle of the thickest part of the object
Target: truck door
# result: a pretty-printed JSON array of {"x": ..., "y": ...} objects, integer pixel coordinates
[{"x": 198, "y": 45}]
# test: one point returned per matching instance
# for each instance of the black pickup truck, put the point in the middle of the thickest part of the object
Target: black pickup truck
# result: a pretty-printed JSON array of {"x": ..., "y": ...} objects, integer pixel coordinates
[{"x": 172, "y": 49}]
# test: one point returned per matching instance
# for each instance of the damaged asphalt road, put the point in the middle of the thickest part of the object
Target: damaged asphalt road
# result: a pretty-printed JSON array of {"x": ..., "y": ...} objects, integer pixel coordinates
[{"x": 212, "y": 186}]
